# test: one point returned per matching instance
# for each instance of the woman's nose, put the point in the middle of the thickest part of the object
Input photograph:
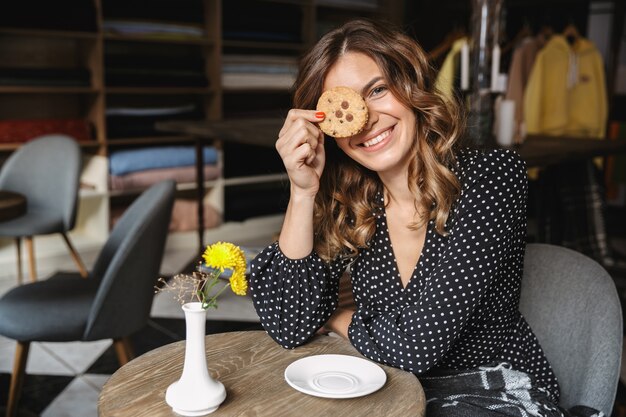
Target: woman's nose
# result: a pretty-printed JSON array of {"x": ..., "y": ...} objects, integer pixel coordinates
[{"x": 372, "y": 118}]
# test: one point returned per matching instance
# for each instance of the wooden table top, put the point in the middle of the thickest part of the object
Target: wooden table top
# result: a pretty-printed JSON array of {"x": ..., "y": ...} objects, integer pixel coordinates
[
  {"x": 251, "y": 367},
  {"x": 549, "y": 150},
  {"x": 259, "y": 132},
  {"x": 12, "y": 205},
  {"x": 537, "y": 150}
]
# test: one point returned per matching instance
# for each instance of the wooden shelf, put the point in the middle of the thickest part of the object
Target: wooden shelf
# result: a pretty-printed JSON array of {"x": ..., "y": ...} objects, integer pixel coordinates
[
  {"x": 152, "y": 140},
  {"x": 10, "y": 89},
  {"x": 294, "y": 2},
  {"x": 264, "y": 45},
  {"x": 256, "y": 179},
  {"x": 349, "y": 7},
  {"x": 47, "y": 33},
  {"x": 179, "y": 187},
  {"x": 158, "y": 39},
  {"x": 158, "y": 90},
  {"x": 10, "y": 147},
  {"x": 246, "y": 90}
]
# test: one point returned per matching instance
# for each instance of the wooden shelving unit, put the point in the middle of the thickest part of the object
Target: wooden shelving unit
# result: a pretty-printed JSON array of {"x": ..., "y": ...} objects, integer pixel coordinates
[{"x": 86, "y": 43}]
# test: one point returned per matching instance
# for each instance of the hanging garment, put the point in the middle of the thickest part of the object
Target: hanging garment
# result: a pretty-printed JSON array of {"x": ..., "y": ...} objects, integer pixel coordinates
[
  {"x": 566, "y": 93},
  {"x": 519, "y": 72},
  {"x": 449, "y": 72}
]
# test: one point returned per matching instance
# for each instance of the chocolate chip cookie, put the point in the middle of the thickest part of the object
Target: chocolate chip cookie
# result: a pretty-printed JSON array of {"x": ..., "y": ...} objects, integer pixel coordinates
[{"x": 346, "y": 112}]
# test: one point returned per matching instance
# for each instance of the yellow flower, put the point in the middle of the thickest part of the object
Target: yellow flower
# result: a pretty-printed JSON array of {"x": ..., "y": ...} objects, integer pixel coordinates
[
  {"x": 204, "y": 285},
  {"x": 224, "y": 255},
  {"x": 238, "y": 282}
]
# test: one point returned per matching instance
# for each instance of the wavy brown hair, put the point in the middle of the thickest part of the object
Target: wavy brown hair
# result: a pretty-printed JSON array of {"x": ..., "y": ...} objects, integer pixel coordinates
[{"x": 345, "y": 205}]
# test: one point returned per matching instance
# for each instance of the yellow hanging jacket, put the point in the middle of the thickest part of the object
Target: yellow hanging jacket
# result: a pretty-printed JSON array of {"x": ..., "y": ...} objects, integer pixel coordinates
[
  {"x": 445, "y": 78},
  {"x": 566, "y": 92}
]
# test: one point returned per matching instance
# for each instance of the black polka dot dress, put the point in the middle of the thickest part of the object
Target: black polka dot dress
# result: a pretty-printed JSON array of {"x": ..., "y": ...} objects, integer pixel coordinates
[{"x": 460, "y": 308}]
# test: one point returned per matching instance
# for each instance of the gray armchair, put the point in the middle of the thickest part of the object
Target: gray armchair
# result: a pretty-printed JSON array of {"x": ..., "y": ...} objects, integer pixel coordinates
[
  {"x": 112, "y": 303},
  {"x": 46, "y": 171},
  {"x": 572, "y": 305}
]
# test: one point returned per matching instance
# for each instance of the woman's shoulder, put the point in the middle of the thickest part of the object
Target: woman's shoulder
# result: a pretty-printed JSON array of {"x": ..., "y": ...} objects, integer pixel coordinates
[{"x": 475, "y": 164}]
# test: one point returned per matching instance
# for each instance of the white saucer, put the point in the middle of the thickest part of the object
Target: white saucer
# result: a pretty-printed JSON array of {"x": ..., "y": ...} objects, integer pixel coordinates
[{"x": 335, "y": 376}]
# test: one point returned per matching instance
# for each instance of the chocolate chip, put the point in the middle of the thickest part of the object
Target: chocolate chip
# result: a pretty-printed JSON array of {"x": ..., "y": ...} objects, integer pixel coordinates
[
  {"x": 338, "y": 113},
  {"x": 345, "y": 104},
  {"x": 349, "y": 117}
]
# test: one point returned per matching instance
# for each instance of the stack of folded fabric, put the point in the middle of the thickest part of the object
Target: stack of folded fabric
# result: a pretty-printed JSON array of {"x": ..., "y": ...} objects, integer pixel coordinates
[
  {"x": 69, "y": 15},
  {"x": 144, "y": 70},
  {"x": 133, "y": 121},
  {"x": 261, "y": 21},
  {"x": 154, "y": 29},
  {"x": 184, "y": 215},
  {"x": 45, "y": 77},
  {"x": 258, "y": 71},
  {"x": 151, "y": 65},
  {"x": 366, "y": 4},
  {"x": 19, "y": 131},
  {"x": 139, "y": 168},
  {"x": 136, "y": 169}
]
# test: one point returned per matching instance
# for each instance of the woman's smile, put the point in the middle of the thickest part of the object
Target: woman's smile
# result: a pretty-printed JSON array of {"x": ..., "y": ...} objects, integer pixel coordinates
[{"x": 378, "y": 141}]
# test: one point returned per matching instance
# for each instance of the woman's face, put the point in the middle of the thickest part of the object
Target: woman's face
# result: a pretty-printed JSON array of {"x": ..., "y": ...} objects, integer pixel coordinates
[{"x": 384, "y": 144}]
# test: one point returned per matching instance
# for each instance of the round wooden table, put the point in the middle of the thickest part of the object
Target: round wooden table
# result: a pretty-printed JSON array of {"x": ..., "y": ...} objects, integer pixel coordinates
[
  {"x": 251, "y": 367},
  {"x": 12, "y": 205}
]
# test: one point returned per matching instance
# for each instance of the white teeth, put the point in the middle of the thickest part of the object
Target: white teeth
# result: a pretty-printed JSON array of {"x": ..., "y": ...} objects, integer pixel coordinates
[{"x": 377, "y": 139}]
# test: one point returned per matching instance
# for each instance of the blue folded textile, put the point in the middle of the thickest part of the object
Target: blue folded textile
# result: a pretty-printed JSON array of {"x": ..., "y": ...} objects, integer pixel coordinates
[{"x": 126, "y": 161}]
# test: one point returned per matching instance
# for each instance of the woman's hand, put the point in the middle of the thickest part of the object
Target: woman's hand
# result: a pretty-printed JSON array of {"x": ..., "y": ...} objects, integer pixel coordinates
[
  {"x": 301, "y": 146},
  {"x": 339, "y": 322}
]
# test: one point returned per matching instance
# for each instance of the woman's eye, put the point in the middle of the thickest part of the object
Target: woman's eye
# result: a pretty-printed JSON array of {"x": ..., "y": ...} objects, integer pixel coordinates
[{"x": 378, "y": 90}]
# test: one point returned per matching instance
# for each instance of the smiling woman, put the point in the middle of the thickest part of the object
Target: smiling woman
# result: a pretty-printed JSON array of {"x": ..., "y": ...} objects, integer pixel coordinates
[
  {"x": 434, "y": 234},
  {"x": 394, "y": 76}
]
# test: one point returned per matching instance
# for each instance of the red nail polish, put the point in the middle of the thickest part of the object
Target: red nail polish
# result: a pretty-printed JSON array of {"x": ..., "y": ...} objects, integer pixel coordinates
[{"x": 320, "y": 114}]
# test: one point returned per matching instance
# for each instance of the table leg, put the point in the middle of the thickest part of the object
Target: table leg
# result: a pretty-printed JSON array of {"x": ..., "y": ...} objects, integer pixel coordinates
[
  {"x": 30, "y": 247},
  {"x": 200, "y": 191},
  {"x": 17, "y": 377},
  {"x": 18, "y": 247}
]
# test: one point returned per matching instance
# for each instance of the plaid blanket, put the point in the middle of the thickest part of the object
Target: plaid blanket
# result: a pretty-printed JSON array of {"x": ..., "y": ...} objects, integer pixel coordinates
[
  {"x": 570, "y": 210},
  {"x": 491, "y": 391}
]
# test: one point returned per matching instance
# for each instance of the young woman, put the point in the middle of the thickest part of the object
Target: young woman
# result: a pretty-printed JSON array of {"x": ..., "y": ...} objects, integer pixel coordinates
[{"x": 434, "y": 235}]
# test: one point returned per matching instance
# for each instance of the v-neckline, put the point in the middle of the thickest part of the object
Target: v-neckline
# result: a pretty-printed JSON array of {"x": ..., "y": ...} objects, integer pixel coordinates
[{"x": 417, "y": 267}]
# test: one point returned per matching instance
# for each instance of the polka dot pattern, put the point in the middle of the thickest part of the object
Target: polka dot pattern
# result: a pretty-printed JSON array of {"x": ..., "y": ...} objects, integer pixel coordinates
[{"x": 460, "y": 308}]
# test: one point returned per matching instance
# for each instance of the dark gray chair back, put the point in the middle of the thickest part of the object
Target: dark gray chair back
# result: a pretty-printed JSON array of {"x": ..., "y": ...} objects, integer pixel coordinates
[
  {"x": 46, "y": 170},
  {"x": 128, "y": 265},
  {"x": 571, "y": 303}
]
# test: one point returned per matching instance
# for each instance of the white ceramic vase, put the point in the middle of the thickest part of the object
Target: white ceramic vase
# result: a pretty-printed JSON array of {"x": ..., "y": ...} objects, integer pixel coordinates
[{"x": 196, "y": 393}]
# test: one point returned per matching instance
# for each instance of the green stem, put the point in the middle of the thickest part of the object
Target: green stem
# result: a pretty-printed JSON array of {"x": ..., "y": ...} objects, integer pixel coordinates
[
  {"x": 213, "y": 301},
  {"x": 210, "y": 283}
]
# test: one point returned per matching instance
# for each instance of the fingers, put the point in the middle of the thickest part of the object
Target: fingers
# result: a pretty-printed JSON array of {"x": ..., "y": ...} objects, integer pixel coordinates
[
  {"x": 299, "y": 129},
  {"x": 298, "y": 116},
  {"x": 318, "y": 143},
  {"x": 310, "y": 115}
]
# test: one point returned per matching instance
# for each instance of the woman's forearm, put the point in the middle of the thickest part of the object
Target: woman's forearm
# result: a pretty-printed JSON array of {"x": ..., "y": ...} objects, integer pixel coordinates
[{"x": 296, "y": 236}]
